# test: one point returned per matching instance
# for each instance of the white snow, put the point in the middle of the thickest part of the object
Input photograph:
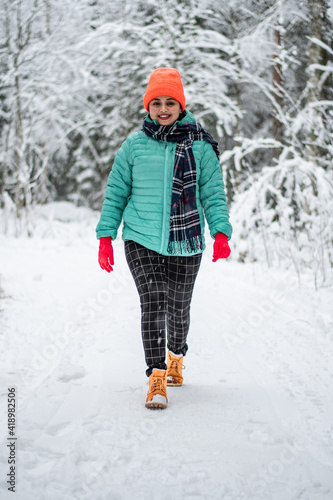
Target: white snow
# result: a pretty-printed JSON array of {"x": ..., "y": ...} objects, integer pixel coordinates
[{"x": 253, "y": 420}]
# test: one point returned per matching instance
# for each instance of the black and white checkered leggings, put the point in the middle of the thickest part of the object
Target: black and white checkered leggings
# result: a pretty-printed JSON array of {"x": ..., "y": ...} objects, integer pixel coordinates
[{"x": 165, "y": 285}]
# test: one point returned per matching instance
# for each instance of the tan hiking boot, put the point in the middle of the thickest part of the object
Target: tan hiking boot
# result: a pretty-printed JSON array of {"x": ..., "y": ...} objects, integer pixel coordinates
[
  {"x": 174, "y": 371},
  {"x": 157, "y": 397}
]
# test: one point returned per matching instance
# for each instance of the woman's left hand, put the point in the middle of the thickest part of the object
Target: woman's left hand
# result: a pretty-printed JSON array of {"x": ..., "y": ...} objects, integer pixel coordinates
[{"x": 221, "y": 249}]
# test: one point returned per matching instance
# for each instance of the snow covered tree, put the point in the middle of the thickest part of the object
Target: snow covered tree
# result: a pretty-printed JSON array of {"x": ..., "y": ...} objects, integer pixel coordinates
[
  {"x": 283, "y": 211},
  {"x": 17, "y": 33},
  {"x": 316, "y": 79},
  {"x": 44, "y": 97}
]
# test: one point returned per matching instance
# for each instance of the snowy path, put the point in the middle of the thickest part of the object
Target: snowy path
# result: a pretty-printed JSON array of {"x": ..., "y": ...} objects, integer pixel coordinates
[{"x": 252, "y": 422}]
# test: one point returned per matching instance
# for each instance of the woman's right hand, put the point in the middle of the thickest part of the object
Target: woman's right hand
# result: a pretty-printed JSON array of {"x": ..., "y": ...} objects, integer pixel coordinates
[{"x": 105, "y": 254}]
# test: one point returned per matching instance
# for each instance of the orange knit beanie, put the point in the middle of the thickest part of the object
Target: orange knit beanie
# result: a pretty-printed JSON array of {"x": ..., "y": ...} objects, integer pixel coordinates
[{"x": 164, "y": 81}]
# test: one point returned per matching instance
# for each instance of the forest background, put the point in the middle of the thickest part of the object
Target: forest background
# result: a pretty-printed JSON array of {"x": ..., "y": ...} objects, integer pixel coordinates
[{"x": 257, "y": 75}]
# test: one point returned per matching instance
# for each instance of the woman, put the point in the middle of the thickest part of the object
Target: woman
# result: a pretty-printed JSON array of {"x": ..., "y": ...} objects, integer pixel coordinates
[{"x": 164, "y": 179}]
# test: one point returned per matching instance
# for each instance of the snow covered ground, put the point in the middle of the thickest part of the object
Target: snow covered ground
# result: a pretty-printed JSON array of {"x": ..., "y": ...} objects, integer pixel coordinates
[{"x": 253, "y": 420}]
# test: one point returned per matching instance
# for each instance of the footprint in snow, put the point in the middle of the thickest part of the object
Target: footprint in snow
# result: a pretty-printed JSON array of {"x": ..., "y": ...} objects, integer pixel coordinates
[
  {"x": 72, "y": 374},
  {"x": 61, "y": 429}
]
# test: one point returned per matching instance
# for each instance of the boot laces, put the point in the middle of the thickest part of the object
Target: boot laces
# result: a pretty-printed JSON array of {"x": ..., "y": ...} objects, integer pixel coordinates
[
  {"x": 157, "y": 384},
  {"x": 177, "y": 365},
  {"x": 174, "y": 365}
]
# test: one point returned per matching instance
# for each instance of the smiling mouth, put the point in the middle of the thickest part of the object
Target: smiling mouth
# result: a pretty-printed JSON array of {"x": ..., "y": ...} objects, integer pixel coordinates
[{"x": 164, "y": 117}]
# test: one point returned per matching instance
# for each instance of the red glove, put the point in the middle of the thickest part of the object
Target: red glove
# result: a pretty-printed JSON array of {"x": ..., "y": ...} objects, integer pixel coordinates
[
  {"x": 105, "y": 254},
  {"x": 221, "y": 248}
]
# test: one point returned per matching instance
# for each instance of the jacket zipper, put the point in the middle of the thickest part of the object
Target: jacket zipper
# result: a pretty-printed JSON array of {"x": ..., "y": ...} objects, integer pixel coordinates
[{"x": 164, "y": 196}]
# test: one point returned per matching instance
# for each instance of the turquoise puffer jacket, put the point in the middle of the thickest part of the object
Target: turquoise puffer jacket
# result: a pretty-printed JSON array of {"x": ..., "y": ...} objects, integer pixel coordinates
[{"x": 139, "y": 191}]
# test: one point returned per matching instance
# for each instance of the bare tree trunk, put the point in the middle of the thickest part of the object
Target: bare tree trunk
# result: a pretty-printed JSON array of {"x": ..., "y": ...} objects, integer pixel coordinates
[
  {"x": 278, "y": 85},
  {"x": 317, "y": 15},
  {"x": 18, "y": 33},
  {"x": 43, "y": 194},
  {"x": 18, "y": 141},
  {"x": 232, "y": 175},
  {"x": 43, "y": 182}
]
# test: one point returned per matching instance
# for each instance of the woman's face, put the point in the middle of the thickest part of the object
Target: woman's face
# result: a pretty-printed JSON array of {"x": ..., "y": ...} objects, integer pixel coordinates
[{"x": 164, "y": 109}]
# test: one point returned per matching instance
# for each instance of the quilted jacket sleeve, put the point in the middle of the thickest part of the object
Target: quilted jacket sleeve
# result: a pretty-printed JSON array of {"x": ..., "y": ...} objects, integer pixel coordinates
[
  {"x": 212, "y": 194},
  {"x": 117, "y": 192}
]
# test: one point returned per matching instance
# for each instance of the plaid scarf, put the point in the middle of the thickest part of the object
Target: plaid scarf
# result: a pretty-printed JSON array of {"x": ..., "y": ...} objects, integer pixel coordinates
[{"x": 185, "y": 228}]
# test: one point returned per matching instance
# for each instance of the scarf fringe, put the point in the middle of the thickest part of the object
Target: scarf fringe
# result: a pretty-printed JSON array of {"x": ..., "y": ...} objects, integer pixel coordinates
[{"x": 185, "y": 246}]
